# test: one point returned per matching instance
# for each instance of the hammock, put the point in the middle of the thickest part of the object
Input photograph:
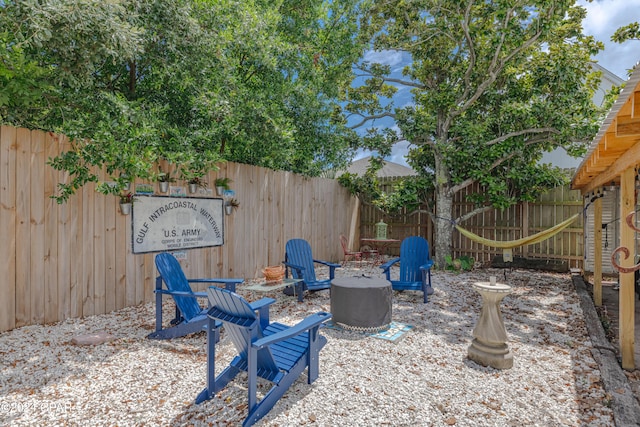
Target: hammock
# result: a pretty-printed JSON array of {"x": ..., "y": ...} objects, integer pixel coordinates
[{"x": 529, "y": 240}]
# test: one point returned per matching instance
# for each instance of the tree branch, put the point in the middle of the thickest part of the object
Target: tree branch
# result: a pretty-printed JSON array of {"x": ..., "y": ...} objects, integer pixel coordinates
[
  {"x": 521, "y": 132},
  {"x": 495, "y": 68},
  {"x": 473, "y": 213},
  {"x": 472, "y": 51},
  {"x": 365, "y": 119},
  {"x": 403, "y": 82}
]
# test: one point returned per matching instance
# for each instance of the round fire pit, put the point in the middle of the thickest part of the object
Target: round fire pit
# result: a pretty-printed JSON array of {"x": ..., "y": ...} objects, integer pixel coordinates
[{"x": 361, "y": 303}]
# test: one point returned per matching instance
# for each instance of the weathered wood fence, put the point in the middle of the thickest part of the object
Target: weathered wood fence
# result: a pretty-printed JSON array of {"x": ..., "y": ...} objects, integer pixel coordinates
[
  {"x": 518, "y": 221},
  {"x": 59, "y": 261}
]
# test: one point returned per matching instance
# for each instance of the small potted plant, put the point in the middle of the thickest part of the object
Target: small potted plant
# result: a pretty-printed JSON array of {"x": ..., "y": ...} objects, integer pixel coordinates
[
  {"x": 222, "y": 184},
  {"x": 231, "y": 205},
  {"x": 193, "y": 175},
  {"x": 126, "y": 202},
  {"x": 195, "y": 183},
  {"x": 164, "y": 178}
]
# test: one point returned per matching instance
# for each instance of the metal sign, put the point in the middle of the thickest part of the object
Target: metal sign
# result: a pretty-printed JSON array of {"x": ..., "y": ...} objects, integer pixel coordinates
[{"x": 176, "y": 223}]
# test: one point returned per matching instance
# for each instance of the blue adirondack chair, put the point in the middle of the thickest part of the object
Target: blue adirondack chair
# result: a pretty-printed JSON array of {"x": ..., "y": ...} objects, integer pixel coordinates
[
  {"x": 273, "y": 351},
  {"x": 298, "y": 258},
  {"x": 415, "y": 267},
  {"x": 190, "y": 317}
]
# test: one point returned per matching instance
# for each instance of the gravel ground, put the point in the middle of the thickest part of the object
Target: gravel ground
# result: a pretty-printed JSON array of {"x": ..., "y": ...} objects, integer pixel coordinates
[{"x": 425, "y": 379}]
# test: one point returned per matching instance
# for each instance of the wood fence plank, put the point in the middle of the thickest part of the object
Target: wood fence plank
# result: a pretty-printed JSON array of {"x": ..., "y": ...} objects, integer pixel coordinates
[
  {"x": 121, "y": 244},
  {"x": 51, "y": 233},
  {"x": 23, "y": 227},
  {"x": 65, "y": 256},
  {"x": 131, "y": 269},
  {"x": 149, "y": 277},
  {"x": 88, "y": 231},
  {"x": 112, "y": 209},
  {"x": 7, "y": 225},
  {"x": 77, "y": 256},
  {"x": 37, "y": 234},
  {"x": 99, "y": 289},
  {"x": 139, "y": 273}
]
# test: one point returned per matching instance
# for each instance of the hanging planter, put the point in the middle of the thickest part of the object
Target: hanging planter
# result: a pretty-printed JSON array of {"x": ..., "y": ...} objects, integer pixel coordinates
[
  {"x": 126, "y": 203},
  {"x": 195, "y": 184},
  {"x": 164, "y": 178},
  {"x": 221, "y": 185},
  {"x": 125, "y": 208},
  {"x": 231, "y": 205}
]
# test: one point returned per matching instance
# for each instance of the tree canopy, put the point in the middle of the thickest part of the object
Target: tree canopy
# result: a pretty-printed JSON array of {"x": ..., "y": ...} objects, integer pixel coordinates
[
  {"x": 189, "y": 81},
  {"x": 494, "y": 84}
]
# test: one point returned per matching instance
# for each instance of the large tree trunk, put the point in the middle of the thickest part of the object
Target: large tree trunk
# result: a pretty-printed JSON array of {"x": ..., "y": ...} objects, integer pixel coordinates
[
  {"x": 443, "y": 226},
  {"x": 444, "y": 205}
]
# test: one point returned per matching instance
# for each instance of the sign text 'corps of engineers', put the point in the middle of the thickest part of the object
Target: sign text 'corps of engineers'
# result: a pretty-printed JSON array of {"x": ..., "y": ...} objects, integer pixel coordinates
[{"x": 171, "y": 223}]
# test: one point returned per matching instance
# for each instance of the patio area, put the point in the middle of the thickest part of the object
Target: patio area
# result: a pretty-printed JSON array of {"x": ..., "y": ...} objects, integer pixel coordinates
[{"x": 425, "y": 378}]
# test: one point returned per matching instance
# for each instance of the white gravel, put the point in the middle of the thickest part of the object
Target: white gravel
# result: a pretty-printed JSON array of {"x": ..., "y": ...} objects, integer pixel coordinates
[{"x": 425, "y": 379}]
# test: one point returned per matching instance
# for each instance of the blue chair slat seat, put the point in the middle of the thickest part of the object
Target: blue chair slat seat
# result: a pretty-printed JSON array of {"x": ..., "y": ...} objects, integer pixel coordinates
[
  {"x": 415, "y": 267},
  {"x": 299, "y": 259},
  {"x": 190, "y": 316},
  {"x": 275, "y": 352}
]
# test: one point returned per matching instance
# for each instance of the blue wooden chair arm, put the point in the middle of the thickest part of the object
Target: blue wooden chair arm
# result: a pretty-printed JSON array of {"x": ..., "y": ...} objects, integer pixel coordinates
[
  {"x": 294, "y": 267},
  {"x": 332, "y": 267},
  {"x": 262, "y": 307},
  {"x": 181, "y": 293},
  {"x": 288, "y": 266},
  {"x": 304, "y": 325},
  {"x": 262, "y": 303},
  {"x": 229, "y": 284},
  {"x": 427, "y": 266},
  {"x": 387, "y": 265},
  {"x": 386, "y": 268},
  {"x": 328, "y": 264}
]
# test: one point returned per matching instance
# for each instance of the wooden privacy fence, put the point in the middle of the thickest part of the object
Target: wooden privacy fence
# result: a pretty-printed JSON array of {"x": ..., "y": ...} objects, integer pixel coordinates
[
  {"x": 518, "y": 221},
  {"x": 75, "y": 259}
]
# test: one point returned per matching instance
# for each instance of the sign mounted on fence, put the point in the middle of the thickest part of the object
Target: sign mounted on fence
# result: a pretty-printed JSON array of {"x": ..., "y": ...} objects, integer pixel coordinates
[{"x": 172, "y": 223}]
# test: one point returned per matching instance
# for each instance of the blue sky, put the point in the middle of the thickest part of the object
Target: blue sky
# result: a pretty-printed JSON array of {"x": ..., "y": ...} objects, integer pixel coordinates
[{"x": 604, "y": 17}]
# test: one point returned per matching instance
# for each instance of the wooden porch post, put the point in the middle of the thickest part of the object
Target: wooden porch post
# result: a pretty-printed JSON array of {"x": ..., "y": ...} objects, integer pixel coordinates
[
  {"x": 626, "y": 293},
  {"x": 597, "y": 252}
]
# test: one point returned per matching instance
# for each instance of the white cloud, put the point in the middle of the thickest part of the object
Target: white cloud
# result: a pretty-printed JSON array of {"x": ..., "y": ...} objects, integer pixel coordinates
[
  {"x": 398, "y": 153},
  {"x": 604, "y": 17},
  {"x": 386, "y": 57}
]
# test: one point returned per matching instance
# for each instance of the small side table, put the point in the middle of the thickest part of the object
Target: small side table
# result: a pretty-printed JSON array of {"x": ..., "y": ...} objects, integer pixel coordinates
[
  {"x": 489, "y": 346},
  {"x": 361, "y": 303},
  {"x": 297, "y": 284}
]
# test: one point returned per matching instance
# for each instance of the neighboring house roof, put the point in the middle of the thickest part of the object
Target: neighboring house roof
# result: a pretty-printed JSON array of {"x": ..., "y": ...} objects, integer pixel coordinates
[{"x": 359, "y": 167}]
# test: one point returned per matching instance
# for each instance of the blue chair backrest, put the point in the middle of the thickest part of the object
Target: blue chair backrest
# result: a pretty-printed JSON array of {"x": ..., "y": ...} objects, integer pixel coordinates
[
  {"x": 414, "y": 252},
  {"x": 175, "y": 280},
  {"x": 298, "y": 252},
  {"x": 242, "y": 325}
]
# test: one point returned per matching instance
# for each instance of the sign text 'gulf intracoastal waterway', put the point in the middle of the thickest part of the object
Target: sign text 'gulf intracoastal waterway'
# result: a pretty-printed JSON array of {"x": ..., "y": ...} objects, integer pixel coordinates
[{"x": 171, "y": 224}]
